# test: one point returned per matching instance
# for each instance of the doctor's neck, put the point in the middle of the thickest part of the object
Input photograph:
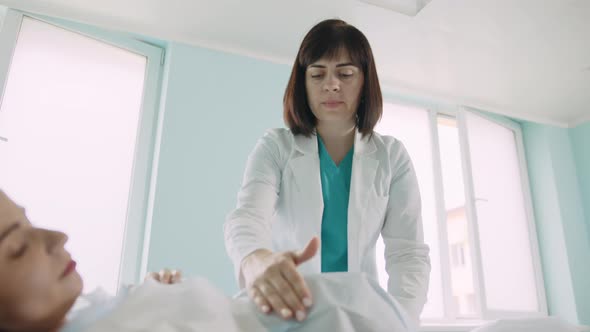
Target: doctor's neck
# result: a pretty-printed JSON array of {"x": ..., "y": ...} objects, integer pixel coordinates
[{"x": 336, "y": 133}]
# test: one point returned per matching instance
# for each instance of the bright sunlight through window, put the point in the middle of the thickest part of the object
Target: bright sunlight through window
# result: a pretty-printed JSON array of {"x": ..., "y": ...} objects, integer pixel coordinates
[
  {"x": 70, "y": 117},
  {"x": 466, "y": 210}
]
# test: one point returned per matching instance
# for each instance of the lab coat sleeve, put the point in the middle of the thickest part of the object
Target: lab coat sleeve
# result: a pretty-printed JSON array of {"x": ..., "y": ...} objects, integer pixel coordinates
[
  {"x": 407, "y": 258},
  {"x": 248, "y": 227}
]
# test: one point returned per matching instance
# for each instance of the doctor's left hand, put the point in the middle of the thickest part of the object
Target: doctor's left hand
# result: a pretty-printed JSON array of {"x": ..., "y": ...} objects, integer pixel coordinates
[{"x": 166, "y": 276}]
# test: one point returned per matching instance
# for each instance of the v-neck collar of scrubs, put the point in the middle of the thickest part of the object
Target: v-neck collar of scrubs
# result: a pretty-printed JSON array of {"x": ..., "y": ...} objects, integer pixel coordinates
[{"x": 328, "y": 161}]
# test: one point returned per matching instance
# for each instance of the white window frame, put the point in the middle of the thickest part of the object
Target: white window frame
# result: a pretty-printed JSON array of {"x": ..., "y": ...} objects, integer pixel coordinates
[
  {"x": 452, "y": 321},
  {"x": 141, "y": 194},
  {"x": 487, "y": 313},
  {"x": 482, "y": 311}
]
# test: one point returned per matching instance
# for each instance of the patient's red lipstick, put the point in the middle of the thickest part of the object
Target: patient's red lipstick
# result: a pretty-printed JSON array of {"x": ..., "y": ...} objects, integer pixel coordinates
[{"x": 69, "y": 269}]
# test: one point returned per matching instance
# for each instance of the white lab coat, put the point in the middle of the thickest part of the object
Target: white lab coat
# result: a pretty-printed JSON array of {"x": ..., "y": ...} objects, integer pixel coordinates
[{"x": 280, "y": 208}]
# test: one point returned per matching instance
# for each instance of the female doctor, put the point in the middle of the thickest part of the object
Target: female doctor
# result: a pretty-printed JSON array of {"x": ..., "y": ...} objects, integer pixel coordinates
[{"x": 328, "y": 175}]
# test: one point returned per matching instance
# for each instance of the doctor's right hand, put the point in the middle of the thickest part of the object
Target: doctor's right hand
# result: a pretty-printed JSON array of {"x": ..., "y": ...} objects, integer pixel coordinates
[{"x": 274, "y": 283}]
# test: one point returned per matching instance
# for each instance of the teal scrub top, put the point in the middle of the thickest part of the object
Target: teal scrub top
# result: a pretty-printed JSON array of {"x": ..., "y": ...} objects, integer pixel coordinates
[{"x": 336, "y": 192}]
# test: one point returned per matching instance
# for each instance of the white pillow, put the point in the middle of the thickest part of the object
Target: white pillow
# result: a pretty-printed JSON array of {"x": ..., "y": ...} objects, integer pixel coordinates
[{"x": 549, "y": 324}]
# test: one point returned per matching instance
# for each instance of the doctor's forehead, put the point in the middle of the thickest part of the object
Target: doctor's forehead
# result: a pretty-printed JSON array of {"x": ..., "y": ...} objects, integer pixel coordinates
[{"x": 338, "y": 57}]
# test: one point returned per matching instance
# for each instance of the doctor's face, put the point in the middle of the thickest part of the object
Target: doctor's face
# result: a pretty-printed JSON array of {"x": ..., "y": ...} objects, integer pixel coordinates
[
  {"x": 333, "y": 89},
  {"x": 38, "y": 279}
]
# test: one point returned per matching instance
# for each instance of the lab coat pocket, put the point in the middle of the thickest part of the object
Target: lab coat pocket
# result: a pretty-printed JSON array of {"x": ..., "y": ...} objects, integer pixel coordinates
[
  {"x": 379, "y": 206},
  {"x": 375, "y": 214}
]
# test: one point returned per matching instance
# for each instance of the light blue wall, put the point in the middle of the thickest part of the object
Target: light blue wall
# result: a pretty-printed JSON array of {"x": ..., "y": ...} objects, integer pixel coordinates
[
  {"x": 216, "y": 107},
  {"x": 561, "y": 227},
  {"x": 580, "y": 137}
]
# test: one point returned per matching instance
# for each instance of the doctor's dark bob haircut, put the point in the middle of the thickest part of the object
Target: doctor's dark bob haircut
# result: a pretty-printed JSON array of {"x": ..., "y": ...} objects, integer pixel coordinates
[{"x": 327, "y": 39}]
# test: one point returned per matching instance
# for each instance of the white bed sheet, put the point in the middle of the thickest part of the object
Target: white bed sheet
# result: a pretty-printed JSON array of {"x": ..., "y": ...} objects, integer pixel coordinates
[{"x": 342, "y": 302}]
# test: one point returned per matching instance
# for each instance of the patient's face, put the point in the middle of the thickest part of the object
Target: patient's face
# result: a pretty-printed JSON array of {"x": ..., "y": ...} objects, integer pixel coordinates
[{"x": 36, "y": 286}]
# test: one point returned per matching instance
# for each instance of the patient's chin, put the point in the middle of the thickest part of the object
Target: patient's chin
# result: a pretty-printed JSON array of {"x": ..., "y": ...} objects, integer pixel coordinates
[
  {"x": 70, "y": 289},
  {"x": 71, "y": 294},
  {"x": 74, "y": 285}
]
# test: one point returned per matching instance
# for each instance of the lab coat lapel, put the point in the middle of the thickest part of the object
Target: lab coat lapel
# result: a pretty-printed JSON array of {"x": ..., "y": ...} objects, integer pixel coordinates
[
  {"x": 364, "y": 169},
  {"x": 306, "y": 172}
]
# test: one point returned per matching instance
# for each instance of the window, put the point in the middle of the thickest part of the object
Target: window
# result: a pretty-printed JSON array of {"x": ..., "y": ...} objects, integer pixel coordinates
[
  {"x": 412, "y": 127},
  {"x": 458, "y": 255},
  {"x": 476, "y": 213},
  {"x": 72, "y": 117},
  {"x": 453, "y": 184}
]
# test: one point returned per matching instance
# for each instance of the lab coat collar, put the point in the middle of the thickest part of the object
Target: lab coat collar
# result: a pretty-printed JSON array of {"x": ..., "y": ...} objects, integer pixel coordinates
[{"x": 362, "y": 145}]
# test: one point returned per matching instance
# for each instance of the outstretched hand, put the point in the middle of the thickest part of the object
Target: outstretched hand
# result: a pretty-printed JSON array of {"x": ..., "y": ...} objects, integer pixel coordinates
[{"x": 274, "y": 283}]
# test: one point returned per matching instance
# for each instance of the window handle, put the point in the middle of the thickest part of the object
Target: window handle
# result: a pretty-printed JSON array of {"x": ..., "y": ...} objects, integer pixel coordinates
[{"x": 3, "y": 139}]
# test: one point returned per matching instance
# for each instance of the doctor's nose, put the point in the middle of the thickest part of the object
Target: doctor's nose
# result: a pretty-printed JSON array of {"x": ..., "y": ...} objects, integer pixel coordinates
[{"x": 332, "y": 84}]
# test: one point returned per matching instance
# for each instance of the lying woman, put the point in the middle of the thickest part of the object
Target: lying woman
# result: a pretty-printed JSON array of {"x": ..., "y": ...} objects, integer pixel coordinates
[{"x": 40, "y": 290}]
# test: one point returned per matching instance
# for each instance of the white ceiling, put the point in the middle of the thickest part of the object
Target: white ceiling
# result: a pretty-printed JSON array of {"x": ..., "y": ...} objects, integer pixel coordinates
[{"x": 526, "y": 58}]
